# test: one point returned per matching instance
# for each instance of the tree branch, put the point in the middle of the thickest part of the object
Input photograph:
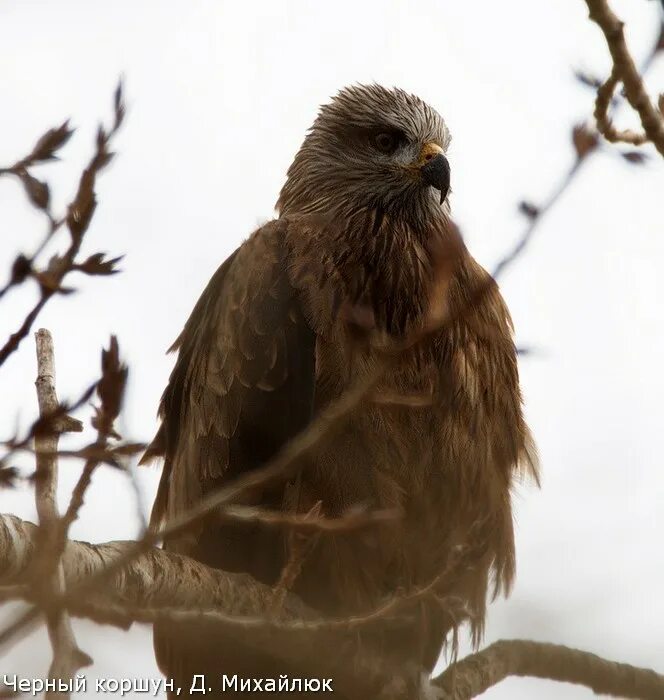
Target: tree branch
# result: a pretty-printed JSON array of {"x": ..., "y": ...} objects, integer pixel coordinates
[
  {"x": 625, "y": 70},
  {"x": 155, "y": 579},
  {"x": 516, "y": 657},
  {"x": 68, "y": 659},
  {"x": 604, "y": 124},
  {"x": 161, "y": 585}
]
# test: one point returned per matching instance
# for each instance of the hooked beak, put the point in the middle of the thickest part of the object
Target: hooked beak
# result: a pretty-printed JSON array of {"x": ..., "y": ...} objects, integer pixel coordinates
[{"x": 435, "y": 168}]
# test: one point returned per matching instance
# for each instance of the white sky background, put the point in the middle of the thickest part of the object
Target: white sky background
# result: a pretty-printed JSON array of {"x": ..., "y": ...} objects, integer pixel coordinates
[{"x": 220, "y": 95}]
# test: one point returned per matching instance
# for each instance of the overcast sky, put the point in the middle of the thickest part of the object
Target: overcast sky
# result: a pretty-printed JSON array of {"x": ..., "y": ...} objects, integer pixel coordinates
[{"x": 219, "y": 97}]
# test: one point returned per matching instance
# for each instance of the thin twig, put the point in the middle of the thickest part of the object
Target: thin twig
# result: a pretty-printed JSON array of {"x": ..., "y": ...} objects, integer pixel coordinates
[
  {"x": 350, "y": 520},
  {"x": 604, "y": 124},
  {"x": 79, "y": 215}
]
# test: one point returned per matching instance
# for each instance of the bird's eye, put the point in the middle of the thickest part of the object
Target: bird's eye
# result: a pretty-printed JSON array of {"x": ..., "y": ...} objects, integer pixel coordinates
[{"x": 385, "y": 142}]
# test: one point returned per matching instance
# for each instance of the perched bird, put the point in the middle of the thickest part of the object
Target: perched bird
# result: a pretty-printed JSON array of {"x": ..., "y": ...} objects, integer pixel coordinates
[{"x": 363, "y": 254}]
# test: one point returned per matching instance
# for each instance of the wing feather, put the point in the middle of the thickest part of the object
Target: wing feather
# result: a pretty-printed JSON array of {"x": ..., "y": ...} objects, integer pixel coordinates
[{"x": 243, "y": 382}]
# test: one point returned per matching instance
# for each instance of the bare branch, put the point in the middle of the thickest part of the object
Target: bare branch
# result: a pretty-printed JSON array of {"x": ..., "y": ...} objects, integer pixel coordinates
[
  {"x": 626, "y": 72},
  {"x": 604, "y": 124},
  {"x": 476, "y": 673},
  {"x": 68, "y": 659},
  {"x": 157, "y": 578},
  {"x": 162, "y": 585}
]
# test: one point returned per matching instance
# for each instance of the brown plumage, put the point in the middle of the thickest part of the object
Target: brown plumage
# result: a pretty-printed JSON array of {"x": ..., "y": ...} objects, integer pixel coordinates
[{"x": 274, "y": 338}]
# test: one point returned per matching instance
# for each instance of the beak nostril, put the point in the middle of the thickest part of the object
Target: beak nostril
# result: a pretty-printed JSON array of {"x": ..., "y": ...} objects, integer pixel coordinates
[{"x": 428, "y": 156}]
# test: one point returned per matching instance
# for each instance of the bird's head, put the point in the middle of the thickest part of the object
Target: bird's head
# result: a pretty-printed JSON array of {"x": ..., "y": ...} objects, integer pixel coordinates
[{"x": 371, "y": 147}]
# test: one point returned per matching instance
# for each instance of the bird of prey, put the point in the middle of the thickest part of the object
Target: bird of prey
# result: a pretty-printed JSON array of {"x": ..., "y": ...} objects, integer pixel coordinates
[{"x": 302, "y": 311}]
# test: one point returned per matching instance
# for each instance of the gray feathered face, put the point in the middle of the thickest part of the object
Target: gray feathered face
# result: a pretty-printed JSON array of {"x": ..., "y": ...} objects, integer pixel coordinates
[{"x": 370, "y": 148}]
